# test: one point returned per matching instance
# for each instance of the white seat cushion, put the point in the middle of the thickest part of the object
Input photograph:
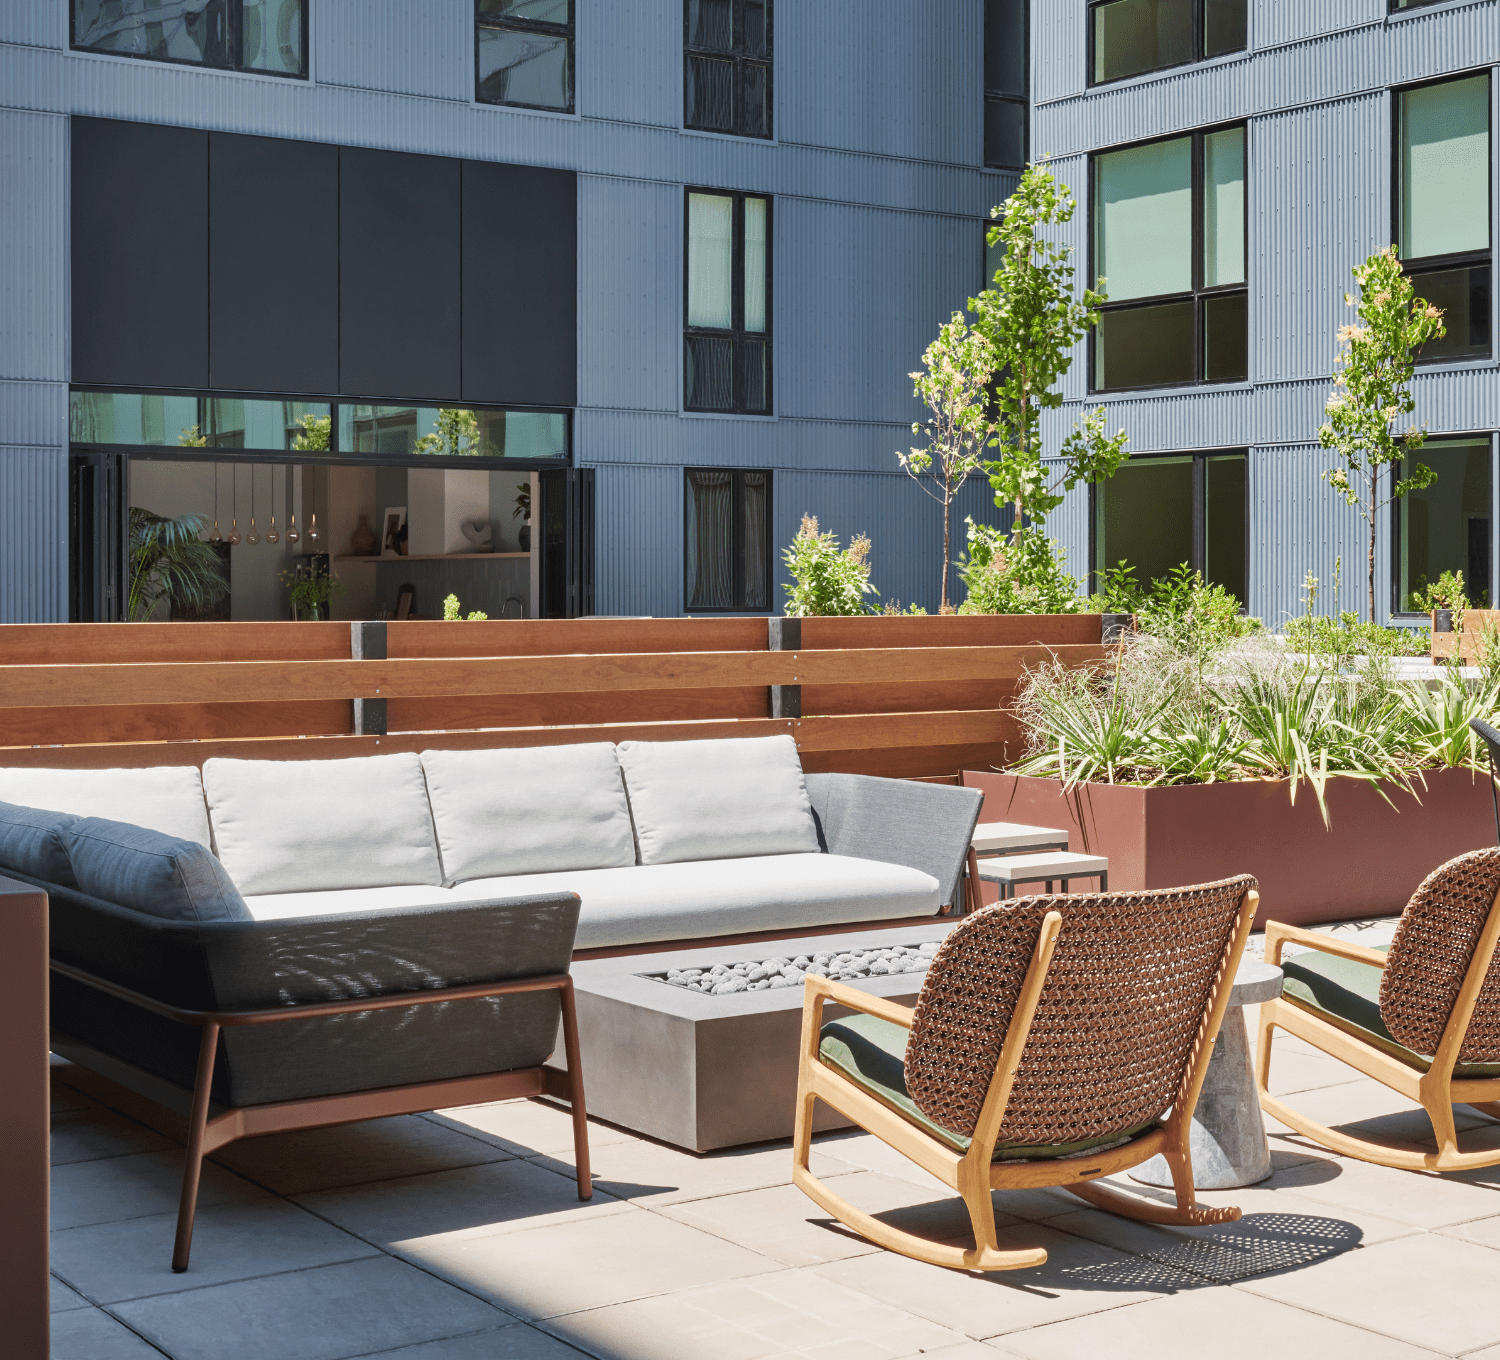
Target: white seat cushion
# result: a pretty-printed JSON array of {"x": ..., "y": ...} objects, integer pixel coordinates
[
  {"x": 643, "y": 903},
  {"x": 165, "y": 798},
  {"x": 289, "y": 826},
  {"x": 700, "y": 800},
  {"x": 528, "y": 810}
]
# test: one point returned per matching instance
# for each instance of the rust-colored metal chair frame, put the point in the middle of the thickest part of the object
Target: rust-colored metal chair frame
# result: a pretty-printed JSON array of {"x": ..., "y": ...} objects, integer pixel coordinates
[
  {"x": 975, "y": 1173},
  {"x": 1436, "y": 1090},
  {"x": 207, "y": 1132}
]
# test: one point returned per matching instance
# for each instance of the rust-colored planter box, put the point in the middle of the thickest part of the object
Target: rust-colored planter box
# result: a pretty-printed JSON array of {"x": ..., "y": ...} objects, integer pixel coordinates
[{"x": 1367, "y": 863}]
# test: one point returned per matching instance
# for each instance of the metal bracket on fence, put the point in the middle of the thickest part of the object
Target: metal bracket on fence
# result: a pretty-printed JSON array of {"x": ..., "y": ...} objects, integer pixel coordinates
[
  {"x": 367, "y": 643},
  {"x": 785, "y": 636}
]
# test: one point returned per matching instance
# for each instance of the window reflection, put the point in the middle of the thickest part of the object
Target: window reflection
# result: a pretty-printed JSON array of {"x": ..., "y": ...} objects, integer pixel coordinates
[
  {"x": 152, "y": 419},
  {"x": 246, "y": 35},
  {"x": 450, "y": 432}
]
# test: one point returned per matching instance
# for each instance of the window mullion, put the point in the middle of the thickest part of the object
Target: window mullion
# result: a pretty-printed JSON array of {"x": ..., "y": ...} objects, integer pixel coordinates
[{"x": 1200, "y": 515}]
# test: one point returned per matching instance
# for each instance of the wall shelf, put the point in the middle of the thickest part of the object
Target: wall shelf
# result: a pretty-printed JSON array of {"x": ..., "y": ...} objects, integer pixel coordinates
[{"x": 438, "y": 557}]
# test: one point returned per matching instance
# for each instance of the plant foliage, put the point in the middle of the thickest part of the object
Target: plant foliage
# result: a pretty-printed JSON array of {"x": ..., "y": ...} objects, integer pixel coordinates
[
  {"x": 1022, "y": 574},
  {"x": 825, "y": 579},
  {"x": 453, "y": 611},
  {"x": 169, "y": 561}
]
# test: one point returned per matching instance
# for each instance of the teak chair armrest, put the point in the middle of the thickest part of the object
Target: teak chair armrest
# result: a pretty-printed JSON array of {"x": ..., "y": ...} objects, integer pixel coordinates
[
  {"x": 1279, "y": 935},
  {"x": 840, "y": 993}
]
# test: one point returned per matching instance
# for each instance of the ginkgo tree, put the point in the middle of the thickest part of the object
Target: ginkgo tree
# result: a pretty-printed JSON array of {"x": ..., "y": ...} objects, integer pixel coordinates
[{"x": 1372, "y": 391}]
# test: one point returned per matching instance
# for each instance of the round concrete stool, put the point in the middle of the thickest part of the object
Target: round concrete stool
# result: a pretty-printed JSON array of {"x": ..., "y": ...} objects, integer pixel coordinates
[{"x": 1228, "y": 1137}]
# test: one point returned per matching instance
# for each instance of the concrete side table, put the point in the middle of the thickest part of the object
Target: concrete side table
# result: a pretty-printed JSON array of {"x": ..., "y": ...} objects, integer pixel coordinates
[{"x": 1228, "y": 1139}]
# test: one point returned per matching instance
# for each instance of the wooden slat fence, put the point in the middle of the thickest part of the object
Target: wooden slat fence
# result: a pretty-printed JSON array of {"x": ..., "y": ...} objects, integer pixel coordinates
[
  {"x": 1479, "y": 625},
  {"x": 917, "y": 697}
]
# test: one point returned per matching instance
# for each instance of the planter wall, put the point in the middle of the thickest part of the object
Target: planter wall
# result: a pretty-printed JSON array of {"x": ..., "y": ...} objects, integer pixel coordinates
[{"x": 1367, "y": 863}]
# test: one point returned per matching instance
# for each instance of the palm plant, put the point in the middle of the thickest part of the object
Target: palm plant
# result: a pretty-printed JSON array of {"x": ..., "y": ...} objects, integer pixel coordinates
[{"x": 169, "y": 561}]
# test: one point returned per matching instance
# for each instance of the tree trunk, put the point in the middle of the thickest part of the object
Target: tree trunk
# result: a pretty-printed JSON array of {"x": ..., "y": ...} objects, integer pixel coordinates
[
  {"x": 1370, "y": 564},
  {"x": 943, "y": 592}
]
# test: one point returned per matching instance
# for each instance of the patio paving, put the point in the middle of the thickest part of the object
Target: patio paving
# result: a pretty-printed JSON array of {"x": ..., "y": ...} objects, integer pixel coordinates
[{"x": 458, "y": 1236}]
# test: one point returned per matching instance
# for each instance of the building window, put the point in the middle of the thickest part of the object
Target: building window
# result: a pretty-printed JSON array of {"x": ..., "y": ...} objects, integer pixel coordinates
[
  {"x": 1396, "y": 6},
  {"x": 726, "y": 545},
  {"x": 1445, "y": 526},
  {"x": 727, "y": 66},
  {"x": 1157, "y": 513},
  {"x": 524, "y": 53},
  {"x": 268, "y": 36},
  {"x": 1005, "y": 67},
  {"x": 1131, "y": 37},
  {"x": 727, "y": 336},
  {"x": 1169, "y": 250},
  {"x": 1442, "y": 208}
]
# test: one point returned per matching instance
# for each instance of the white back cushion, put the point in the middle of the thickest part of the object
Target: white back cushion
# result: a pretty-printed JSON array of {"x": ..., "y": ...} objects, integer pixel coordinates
[
  {"x": 535, "y": 810},
  {"x": 717, "y": 799},
  {"x": 306, "y": 825},
  {"x": 165, "y": 798}
]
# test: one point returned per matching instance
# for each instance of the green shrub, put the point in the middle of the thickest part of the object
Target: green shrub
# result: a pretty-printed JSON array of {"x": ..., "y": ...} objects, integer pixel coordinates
[
  {"x": 452, "y": 611},
  {"x": 1350, "y": 636},
  {"x": 1028, "y": 576},
  {"x": 827, "y": 581}
]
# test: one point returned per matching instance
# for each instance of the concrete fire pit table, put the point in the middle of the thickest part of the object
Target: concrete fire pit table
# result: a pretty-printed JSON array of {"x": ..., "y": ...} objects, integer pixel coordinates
[{"x": 704, "y": 1071}]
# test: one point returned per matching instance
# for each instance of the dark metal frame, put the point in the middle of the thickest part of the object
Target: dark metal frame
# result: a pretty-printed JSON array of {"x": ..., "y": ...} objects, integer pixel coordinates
[
  {"x": 741, "y": 59},
  {"x": 1200, "y": 40},
  {"x": 736, "y": 543},
  {"x": 1199, "y": 294},
  {"x": 496, "y": 24},
  {"x": 736, "y": 334},
  {"x": 208, "y": 1132},
  {"x": 1431, "y": 264},
  {"x": 994, "y": 95},
  {"x": 234, "y": 43},
  {"x": 1398, "y": 611},
  {"x": 1199, "y": 557}
]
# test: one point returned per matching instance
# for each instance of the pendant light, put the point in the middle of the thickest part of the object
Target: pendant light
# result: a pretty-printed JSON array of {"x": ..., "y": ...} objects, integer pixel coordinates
[
  {"x": 252, "y": 538},
  {"x": 271, "y": 535},
  {"x": 312, "y": 528},
  {"x": 216, "y": 536},
  {"x": 291, "y": 534},
  {"x": 234, "y": 522}
]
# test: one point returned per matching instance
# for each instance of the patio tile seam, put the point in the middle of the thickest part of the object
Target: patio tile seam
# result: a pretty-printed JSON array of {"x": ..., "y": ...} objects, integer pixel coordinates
[
  {"x": 456, "y": 1336},
  {"x": 293, "y": 1196},
  {"x": 109, "y": 1312},
  {"x": 1358, "y": 1326}
]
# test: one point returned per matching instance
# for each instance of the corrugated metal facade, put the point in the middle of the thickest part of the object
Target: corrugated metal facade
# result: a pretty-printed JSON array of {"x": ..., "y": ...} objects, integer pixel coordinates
[{"x": 1314, "y": 90}]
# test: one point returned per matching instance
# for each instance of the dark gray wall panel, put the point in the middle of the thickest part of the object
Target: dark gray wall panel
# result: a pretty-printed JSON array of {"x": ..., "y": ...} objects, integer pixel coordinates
[
  {"x": 273, "y": 267},
  {"x": 520, "y": 286},
  {"x": 140, "y": 254},
  {"x": 399, "y": 275}
]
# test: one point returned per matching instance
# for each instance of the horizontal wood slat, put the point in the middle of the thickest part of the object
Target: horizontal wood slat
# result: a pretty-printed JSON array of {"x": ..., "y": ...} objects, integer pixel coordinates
[
  {"x": 26, "y": 686},
  {"x": 172, "y": 722},
  {"x": 41, "y": 644}
]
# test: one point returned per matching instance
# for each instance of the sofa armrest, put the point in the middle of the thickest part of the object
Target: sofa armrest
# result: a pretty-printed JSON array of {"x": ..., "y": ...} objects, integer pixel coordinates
[{"x": 897, "y": 821}]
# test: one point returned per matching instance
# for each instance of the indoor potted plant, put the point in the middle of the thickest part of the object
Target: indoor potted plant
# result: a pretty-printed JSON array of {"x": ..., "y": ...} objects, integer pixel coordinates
[{"x": 310, "y": 590}]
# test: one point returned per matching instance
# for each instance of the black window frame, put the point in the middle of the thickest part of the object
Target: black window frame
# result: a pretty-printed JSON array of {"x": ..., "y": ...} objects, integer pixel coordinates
[
  {"x": 234, "y": 45},
  {"x": 333, "y": 455},
  {"x": 1200, "y": 43},
  {"x": 741, "y": 58},
  {"x": 1399, "y": 612},
  {"x": 995, "y": 93},
  {"x": 1416, "y": 267},
  {"x": 736, "y": 544},
  {"x": 1199, "y": 530},
  {"x": 496, "y": 24},
  {"x": 736, "y": 332},
  {"x": 1198, "y": 294},
  {"x": 1398, "y": 7}
]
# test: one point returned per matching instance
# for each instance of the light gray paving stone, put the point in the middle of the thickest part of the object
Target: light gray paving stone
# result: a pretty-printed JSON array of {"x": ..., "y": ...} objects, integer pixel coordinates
[
  {"x": 526, "y": 1127},
  {"x": 1484, "y": 1231},
  {"x": 91, "y": 1134},
  {"x": 91, "y": 1334},
  {"x": 1424, "y": 1201},
  {"x": 518, "y": 1341},
  {"x": 132, "y": 1259},
  {"x": 357, "y": 1308},
  {"x": 64, "y": 1297},
  {"x": 136, "y": 1186}
]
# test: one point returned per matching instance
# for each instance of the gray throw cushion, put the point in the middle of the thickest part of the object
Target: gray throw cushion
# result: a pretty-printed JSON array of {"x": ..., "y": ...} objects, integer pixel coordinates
[
  {"x": 32, "y": 842},
  {"x": 284, "y": 826},
  {"x": 166, "y": 798},
  {"x": 161, "y": 875},
  {"x": 528, "y": 810},
  {"x": 694, "y": 800}
]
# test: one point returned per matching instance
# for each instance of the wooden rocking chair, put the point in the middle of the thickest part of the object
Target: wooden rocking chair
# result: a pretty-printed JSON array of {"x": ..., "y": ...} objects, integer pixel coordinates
[
  {"x": 1423, "y": 1018},
  {"x": 1050, "y": 1035}
]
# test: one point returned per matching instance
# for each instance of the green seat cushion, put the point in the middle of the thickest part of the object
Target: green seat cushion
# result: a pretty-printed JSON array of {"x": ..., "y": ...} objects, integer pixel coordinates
[
  {"x": 871, "y": 1052},
  {"x": 1346, "y": 993}
]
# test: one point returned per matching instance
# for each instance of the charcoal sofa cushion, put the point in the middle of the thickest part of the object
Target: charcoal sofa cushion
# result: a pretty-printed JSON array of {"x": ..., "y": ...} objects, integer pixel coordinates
[
  {"x": 702, "y": 800},
  {"x": 149, "y": 872},
  {"x": 642, "y": 903},
  {"x": 285, "y": 826},
  {"x": 32, "y": 842},
  {"x": 165, "y": 798},
  {"x": 528, "y": 810}
]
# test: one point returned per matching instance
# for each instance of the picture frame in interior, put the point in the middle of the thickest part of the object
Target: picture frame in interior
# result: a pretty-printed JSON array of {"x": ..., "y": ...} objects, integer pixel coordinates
[
  {"x": 405, "y": 601},
  {"x": 393, "y": 531}
]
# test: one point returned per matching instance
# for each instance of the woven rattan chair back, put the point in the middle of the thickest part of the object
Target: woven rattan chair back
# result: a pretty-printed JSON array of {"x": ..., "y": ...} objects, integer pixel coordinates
[
  {"x": 1124, "y": 1003},
  {"x": 1431, "y": 952}
]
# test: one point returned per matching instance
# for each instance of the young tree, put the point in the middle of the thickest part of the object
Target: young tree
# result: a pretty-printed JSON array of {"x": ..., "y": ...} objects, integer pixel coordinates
[
  {"x": 1033, "y": 321},
  {"x": 959, "y": 367},
  {"x": 1372, "y": 390}
]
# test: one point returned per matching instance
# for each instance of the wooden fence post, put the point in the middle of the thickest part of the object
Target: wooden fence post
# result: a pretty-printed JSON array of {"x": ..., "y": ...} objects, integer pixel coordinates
[
  {"x": 785, "y": 636},
  {"x": 25, "y": 1098},
  {"x": 367, "y": 643}
]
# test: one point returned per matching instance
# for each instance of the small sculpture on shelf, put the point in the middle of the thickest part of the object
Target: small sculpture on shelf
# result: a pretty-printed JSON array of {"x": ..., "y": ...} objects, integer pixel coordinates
[
  {"x": 480, "y": 533},
  {"x": 362, "y": 540}
]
